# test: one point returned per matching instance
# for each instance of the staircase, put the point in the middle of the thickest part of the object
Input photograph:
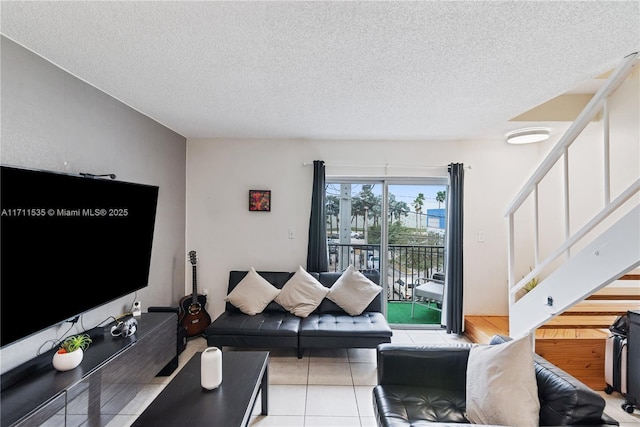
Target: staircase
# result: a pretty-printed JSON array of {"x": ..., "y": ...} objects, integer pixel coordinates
[
  {"x": 593, "y": 275},
  {"x": 582, "y": 263},
  {"x": 575, "y": 340}
]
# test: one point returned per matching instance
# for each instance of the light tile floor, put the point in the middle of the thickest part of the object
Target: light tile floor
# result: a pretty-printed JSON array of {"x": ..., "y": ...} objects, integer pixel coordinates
[{"x": 326, "y": 388}]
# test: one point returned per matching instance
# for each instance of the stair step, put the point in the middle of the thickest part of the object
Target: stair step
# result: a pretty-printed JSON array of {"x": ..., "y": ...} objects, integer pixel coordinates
[
  {"x": 571, "y": 334},
  {"x": 602, "y": 307},
  {"x": 480, "y": 329},
  {"x": 579, "y": 322},
  {"x": 617, "y": 293}
]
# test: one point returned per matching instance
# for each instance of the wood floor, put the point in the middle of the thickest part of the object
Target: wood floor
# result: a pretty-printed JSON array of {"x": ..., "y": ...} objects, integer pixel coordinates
[{"x": 574, "y": 341}]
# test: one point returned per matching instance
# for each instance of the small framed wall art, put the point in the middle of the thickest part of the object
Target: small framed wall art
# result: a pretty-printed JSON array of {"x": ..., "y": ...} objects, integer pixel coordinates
[{"x": 260, "y": 200}]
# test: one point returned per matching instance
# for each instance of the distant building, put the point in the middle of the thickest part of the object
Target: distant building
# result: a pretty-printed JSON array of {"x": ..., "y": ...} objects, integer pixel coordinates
[{"x": 436, "y": 218}]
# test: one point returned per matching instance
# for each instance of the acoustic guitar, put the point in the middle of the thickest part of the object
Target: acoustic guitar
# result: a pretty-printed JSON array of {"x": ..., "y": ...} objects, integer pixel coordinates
[{"x": 193, "y": 315}]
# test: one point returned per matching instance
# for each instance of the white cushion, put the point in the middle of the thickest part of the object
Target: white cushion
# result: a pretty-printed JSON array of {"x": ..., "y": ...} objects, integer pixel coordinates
[
  {"x": 252, "y": 294},
  {"x": 501, "y": 384},
  {"x": 353, "y": 292},
  {"x": 430, "y": 290},
  {"x": 301, "y": 294}
]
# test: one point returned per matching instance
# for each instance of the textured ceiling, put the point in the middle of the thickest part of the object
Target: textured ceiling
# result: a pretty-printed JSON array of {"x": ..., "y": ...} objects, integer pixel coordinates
[{"x": 434, "y": 70}]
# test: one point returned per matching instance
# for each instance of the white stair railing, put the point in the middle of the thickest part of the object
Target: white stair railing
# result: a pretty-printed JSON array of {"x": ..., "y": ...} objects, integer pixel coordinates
[{"x": 598, "y": 104}]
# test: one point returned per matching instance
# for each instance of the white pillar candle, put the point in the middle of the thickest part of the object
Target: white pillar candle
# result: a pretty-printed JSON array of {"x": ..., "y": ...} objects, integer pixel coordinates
[{"x": 211, "y": 368}]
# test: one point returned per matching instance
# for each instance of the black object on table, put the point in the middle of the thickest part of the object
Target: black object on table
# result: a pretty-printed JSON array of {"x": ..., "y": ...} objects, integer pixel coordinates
[{"x": 184, "y": 402}]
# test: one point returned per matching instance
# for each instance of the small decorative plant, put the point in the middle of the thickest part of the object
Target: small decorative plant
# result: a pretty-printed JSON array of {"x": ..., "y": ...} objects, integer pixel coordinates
[
  {"x": 74, "y": 342},
  {"x": 531, "y": 283},
  {"x": 527, "y": 287}
]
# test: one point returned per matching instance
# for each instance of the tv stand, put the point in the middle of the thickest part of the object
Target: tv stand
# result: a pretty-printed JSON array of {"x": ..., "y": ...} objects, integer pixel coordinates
[{"x": 109, "y": 376}]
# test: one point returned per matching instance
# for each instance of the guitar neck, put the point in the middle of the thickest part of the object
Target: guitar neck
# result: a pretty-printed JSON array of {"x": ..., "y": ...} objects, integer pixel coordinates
[{"x": 194, "y": 294}]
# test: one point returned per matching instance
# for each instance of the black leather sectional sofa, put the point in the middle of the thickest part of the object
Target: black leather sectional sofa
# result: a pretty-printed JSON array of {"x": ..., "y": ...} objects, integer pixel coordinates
[
  {"x": 407, "y": 394},
  {"x": 328, "y": 326}
]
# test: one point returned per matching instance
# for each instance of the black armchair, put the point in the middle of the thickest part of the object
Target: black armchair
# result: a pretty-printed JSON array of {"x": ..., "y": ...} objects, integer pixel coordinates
[{"x": 423, "y": 385}]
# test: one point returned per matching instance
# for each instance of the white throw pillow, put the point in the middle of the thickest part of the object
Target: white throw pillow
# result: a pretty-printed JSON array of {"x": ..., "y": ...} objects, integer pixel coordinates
[
  {"x": 301, "y": 294},
  {"x": 252, "y": 294},
  {"x": 501, "y": 384},
  {"x": 353, "y": 292}
]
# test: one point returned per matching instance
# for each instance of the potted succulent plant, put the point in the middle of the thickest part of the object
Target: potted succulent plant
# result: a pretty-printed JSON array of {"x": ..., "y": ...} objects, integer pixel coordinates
[{"x": 71, "y": 352}]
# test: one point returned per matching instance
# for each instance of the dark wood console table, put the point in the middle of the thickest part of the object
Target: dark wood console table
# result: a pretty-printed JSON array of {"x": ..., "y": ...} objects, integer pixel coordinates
[
  {"x": 93, "y": 393},
  {"x": 184, "y": 402}
]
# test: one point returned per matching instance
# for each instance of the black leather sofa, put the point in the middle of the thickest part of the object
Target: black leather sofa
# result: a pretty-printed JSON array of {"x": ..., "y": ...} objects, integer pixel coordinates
[
  {"x": 328, "y": 326},
  {"x": 409, "y": 395}
]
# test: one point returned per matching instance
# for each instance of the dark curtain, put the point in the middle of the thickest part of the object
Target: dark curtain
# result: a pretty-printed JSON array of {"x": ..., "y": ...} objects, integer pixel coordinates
[
  {"x": 454, "y": 275},
  {"x": 317, "y": 253}
]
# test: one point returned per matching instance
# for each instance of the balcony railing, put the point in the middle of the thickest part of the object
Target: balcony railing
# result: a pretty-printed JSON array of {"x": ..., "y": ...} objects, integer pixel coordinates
[{"x": 405, "y": 264}]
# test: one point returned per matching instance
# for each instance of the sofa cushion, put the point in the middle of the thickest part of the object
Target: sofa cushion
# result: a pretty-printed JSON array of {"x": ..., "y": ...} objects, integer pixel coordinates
[
  {"x": 340, "y": 325},
  {"x": 353, "y": 292},
  {"x": 301, "y": 294},
  {"x": 401, "y": 405},
  {"x": 252, "y": 294},
  {"x": 501, "y": 384},
  {"x": 273, "y": 324}
]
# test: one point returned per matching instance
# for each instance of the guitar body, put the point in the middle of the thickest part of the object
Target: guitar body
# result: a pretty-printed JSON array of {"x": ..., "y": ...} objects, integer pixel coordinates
[
  {"x": 193, "y": 315},
  {"x": 194, "y": 318}
]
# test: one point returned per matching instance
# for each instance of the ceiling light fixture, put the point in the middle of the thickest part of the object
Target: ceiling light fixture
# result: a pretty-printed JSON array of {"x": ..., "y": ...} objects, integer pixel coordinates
[{"x": 527, "y": 135}]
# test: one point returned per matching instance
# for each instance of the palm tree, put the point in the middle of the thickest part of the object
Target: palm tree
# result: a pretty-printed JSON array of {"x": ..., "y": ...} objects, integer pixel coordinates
[
  {"x": 357, "y": 209},
  {"x": 333, "y": 209},
  {"x": 417, "y": 204},
  {"x": 370, "y": 202},
  {"x": 375, "y": 211},
  {"x": 441, "y": 196},
  {"x": 396, "y": 208}
]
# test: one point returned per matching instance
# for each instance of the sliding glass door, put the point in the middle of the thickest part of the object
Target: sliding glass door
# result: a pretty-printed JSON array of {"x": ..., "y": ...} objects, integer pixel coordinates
[
  {"x": 398, "y": 228},
  {"x": 416, "y": 243}
]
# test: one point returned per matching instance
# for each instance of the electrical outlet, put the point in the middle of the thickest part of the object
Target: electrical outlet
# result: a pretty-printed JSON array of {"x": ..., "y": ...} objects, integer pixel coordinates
[
  {"x": 291, "y": 233},
  {"x": 481, "y": 236}
]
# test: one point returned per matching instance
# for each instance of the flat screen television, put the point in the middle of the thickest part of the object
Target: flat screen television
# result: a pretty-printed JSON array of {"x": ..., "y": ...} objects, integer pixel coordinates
[{"x": 69, "y": 244}]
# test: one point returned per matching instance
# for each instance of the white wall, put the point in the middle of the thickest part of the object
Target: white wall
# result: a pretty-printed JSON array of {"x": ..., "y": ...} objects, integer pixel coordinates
[
  {"x": 53, "y": 121},
  {"x": 227, "y": 236}
]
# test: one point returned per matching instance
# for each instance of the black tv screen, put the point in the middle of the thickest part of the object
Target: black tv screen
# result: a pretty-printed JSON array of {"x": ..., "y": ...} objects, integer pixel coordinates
[{"x": 69, "y": 244}]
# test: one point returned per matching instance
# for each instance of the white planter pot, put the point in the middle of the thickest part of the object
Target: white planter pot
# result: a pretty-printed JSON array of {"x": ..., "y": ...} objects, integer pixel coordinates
[{"x": 67, "y": 361}]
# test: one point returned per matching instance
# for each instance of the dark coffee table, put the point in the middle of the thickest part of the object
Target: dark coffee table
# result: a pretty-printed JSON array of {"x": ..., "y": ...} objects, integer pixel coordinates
[{"x": 184, "y": 402}]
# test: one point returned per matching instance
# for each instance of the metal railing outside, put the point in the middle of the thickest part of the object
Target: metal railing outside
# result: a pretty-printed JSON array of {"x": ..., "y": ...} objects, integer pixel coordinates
[{"x": 405, "y": 264}]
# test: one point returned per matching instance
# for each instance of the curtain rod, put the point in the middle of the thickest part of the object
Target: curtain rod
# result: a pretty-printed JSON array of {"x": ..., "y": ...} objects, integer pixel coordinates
[{"x": 384, "y": 166}]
